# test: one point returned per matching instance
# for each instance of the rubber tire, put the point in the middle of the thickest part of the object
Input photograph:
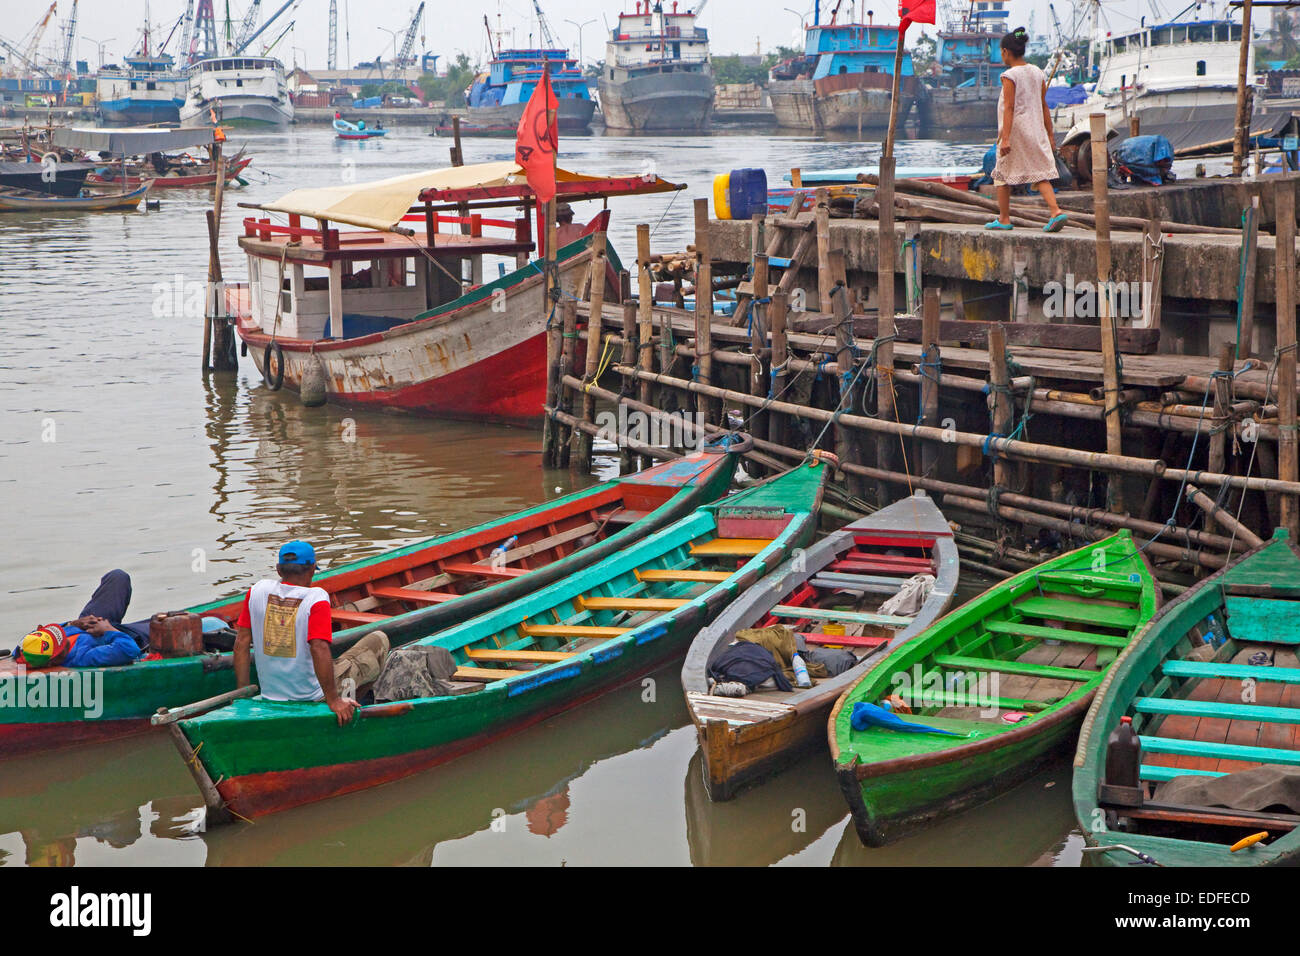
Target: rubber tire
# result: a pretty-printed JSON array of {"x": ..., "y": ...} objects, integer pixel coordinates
[{"x": 274, "y": 383}]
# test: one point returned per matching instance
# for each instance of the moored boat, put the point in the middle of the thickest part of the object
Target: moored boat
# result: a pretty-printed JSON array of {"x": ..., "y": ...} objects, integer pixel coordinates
[
  {"x": 408, "y": 592},
  {"x": 824, "y": 593},
  {"x": 237, "y": 91},
  {"x": 387, "y": 321},
  {"x": 657, "y": 73},
  {"x": 979, "y": 700},
  {"x": 545, "y": 653},
  {"x": 1211, "y": 689},
  {"x": 170, "y": 173},
  {"x": 496, "y": 99},
  {"x": 965, "y": 93},
  {"x": 22, "y": 201}
]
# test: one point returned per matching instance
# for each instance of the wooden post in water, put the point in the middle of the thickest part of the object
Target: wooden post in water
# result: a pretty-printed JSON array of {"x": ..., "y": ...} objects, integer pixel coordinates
[
  {"x": 457, "y": 156},
  {"x": 1109, "y": 340},
  {"x": 645, "y": 316},
  {"x": 1000, "y": 398},
  {"x": 776, "y": 426},
  {"x": 550, "y": 427},
  {"x": 930, "y": 369},
  {"x": 885, "y": 402},
  {"x": 1241, "y": 133},
  {"x": 912, "y": 267},
  {"x": 1288, "y": 462},
  {"x": 595, "y": 336},
  {"x": 1246, "y": 304},
  {"x": 758, "y": 344},
  {"x": 704, "y": 309},
  {"x": 564, "y": 396},
  {"x": 626, "y": 461},
  {"x": 1153, "y": 271},
  {"x": 822, "y": 215},
  {"x": 1222, "y": 410}
]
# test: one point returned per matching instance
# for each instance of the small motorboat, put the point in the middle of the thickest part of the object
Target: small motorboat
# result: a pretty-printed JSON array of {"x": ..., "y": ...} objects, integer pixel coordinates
[{"x": 358, "y": 130}]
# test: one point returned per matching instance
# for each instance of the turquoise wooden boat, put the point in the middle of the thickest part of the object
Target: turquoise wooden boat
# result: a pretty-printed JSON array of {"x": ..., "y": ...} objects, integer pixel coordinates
[
  {"x": 1212, "y": 688},
  {"x": 517, "y": 664},
  {"x": 408, "y": 592},
  {"x": 986, "y": 694}
]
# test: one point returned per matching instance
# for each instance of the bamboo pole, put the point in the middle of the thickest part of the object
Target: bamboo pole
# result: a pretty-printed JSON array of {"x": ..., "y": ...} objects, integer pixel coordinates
[
  {"x": 645, "y": 315},
  {"x": 1287, "y": 460},
  {"x": 704, "y": 307},
  {"x": 776, "y": 427},
  {"x": 758, "y": 426},
  {"x": 1250, "y": 266},
  {"x": 1241, "y": 131},
  {"x": 550, "y": 438},
  {"x": 563, "y": 437},
  {"x": 1223, "y": 518},
  {"x": 1000, "y": 398},
  {"x": 1153, "y": 272},
  {"x": 630, "y": 350},
  {"x": 930, "y": 377},
  {"x": 1109, "y": 352},
  {"x": 1217, "y": 456},
  {"x": 595, "y": 311},
  {"x": 822, "y": 215}
]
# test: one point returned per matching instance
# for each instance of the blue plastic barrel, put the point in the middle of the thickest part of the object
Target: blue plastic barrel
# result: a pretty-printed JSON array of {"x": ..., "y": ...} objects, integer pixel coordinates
[{"x": 747, "y": 193}]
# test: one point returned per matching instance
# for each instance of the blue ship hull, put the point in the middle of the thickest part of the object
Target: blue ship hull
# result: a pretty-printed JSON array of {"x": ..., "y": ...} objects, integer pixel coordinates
[{"x": 141, "y": 112}]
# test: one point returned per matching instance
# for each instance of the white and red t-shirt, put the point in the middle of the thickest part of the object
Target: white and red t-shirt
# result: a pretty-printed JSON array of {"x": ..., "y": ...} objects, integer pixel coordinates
[{"x": 283, "y": 618}]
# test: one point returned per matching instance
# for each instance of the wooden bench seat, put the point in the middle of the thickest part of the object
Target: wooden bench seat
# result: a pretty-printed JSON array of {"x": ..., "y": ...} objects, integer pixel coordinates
[
  {"x": 831, "y": 614},
  {"x": 1214, "y": 709},
  {"x": 1022, "y": 629},
  {"x": 355, "y": 617},
  {"x": 630, "y": 603},
  {"x": 1277, "y": 675},
  {"x": 1097, "y": 579},
  {"x": 497, "y": 655},
  {"x": 482, "y": 570},
  {"x": 957, "y": 662},
  {"x": 572, "y": 630},
  {"x": 686, "y": 574},
  {"x": 413, "y": 595},
  {"x": 1157, "y": 774},
  {"x": 1211, "y": 749},
  {"x": 484, "y": 674},
  {"x": 1079, "y": 612},
  {"x": 919, "y": 698},
  {"x": 730, "y": 547}
]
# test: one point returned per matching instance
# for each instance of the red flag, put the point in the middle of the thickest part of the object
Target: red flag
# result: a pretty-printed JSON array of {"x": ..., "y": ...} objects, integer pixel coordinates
[
  {"x": 914, "y": 11},
  {"x": 538, "y": 139}
]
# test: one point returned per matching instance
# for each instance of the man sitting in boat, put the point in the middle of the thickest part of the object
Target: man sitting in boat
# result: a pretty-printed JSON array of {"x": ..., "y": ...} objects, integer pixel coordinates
[
  {"x": 287, "y": 625},
  {"x": 565, "y": 231}
]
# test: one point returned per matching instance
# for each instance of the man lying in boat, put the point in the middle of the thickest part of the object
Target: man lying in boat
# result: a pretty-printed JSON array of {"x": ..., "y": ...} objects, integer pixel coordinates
[
  {"x": 96, "y": 638},
  {"x": 287, "y": 625}
]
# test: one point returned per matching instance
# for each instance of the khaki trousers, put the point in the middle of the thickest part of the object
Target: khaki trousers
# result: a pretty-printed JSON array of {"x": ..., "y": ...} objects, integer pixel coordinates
[{"x": 363, "y": 660}]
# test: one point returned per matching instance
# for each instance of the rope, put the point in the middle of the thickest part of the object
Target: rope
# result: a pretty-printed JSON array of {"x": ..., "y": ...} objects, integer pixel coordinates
[{"x": 601, "y": 366}]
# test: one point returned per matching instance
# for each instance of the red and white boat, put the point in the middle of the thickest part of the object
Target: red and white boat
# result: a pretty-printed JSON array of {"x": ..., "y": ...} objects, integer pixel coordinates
[
  {"x": 182, "y": 173},
  {"x": 384, "y": 309}
]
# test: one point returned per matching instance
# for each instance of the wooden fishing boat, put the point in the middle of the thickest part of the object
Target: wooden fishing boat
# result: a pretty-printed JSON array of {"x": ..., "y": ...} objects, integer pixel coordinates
[
  {"x": 18, "y": 201},
  {"x": 351, "y": 131},
  {"x": 1212, "y": 688},
  {"x": 409, "y": 592},
  {"x": 387, "y": 316},
  {"x": 542, "y": 654},
  {"x": 831, "y": 588},
  {"x": 1000, "y": 683},
  {"x": 196, "y": 175}
]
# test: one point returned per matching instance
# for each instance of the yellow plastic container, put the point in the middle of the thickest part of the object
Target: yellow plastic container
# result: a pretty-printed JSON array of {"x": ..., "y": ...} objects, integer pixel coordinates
[{"x": 721, "y": 204}]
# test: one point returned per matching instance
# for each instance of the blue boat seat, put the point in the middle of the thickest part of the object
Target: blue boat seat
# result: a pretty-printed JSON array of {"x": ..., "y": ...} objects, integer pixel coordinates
[
  {"x": 1211, "y": 708},
  {"x": 1275, "y": 675},
  {"x": 1272, "y": 619},
  {"x": 1210, "y": 749},
  {"x": 1157, "y": 774}
]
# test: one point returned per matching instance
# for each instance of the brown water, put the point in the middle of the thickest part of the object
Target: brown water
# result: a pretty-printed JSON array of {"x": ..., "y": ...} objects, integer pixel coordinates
[{"x": 116, "y": 452}]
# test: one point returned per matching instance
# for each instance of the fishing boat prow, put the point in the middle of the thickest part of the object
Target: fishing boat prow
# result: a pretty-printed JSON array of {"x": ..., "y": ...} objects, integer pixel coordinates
[{"x": 1189, "y": 755}]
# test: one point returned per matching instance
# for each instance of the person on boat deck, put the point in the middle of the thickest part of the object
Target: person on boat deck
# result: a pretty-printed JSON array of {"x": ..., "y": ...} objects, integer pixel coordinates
[
  {"x": 565, "y": 231},
  {"x": 97, "y": 637},
  {"x": 1026, "y": 142},
  {"x": 286, "y": 623}
]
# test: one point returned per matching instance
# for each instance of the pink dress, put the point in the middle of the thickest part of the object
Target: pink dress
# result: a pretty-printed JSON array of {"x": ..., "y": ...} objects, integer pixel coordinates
[{"x": 1030, "y": 159}]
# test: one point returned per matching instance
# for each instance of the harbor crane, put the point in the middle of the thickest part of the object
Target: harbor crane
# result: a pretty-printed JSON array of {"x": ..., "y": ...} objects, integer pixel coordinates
[
  {"x": 548, "y": 38},
  {"x": 65, "y": 64},
  {"x": 404, "y": 57},
  {"x": 241, "y": 47},
  {"x": 27, "y": 55},
  {"x": 333, "y": 59},
  {"x": 248, "y": 24}
]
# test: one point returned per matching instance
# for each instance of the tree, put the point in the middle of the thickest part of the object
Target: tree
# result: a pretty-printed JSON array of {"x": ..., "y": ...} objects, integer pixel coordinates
[
  {"x": 450, "y": 86},
  {"x": 924, "y": 53}
]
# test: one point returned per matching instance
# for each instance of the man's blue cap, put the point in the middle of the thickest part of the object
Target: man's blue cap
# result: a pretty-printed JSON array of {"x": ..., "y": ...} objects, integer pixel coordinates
[{"x": 297, "y": 552}]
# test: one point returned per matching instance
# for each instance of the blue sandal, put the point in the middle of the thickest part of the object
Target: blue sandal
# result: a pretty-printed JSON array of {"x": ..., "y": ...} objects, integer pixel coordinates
[
  {"x": 998, "y": 224},
  {"x": 1056, "y": 223}
]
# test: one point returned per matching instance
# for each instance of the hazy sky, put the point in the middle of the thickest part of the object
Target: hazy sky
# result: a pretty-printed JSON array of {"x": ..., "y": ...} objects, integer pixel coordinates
[{"x": 735, "y": 26}]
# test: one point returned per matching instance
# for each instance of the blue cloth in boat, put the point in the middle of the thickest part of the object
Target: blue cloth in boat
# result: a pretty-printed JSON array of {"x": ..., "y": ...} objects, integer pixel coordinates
[
  {"x": 748, "y": 663},
  {"x": 112, "y": 649},
  {"x": 873, "y": 715},
  {"x": 110, "y": 601}
]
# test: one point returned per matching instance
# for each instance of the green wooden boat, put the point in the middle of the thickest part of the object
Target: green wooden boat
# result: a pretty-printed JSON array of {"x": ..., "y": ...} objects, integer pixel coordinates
[
  {"x": 1212, "y": 687},
  {"x": 1001, "y": 683},
  {"x": 408, "y": 592},
  {"x": 517, "y": 664}
]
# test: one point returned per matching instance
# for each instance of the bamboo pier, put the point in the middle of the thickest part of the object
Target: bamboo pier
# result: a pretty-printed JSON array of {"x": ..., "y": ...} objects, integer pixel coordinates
[{"x": 1033, "y": 435}]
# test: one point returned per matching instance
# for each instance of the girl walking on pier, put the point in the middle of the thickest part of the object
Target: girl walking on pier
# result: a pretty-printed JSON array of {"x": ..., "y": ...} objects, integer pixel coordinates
[{"x": 1026, "y": 143}]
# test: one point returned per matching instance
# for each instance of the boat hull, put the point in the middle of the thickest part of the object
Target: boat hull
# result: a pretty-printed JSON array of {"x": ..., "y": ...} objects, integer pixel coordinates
[
  {"x": 853, "y": 100},
  {"x": 133, "y": 112},
  {"x": 574, "y": 115},
  {"x": 658, "y": 101},
  {"x": 173, "y": 182},
  {"x": 794, "y": 104},
  {"x": 238, "y": 111},
  {"x": 475, "y": 362},
  {"x": 953, "y": 109},
  {"x": 128, "y": 200}
]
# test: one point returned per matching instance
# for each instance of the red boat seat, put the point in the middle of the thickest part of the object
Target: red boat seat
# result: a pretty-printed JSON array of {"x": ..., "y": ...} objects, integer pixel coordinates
[
  {"x": 482, "y": 570},
  {"x": 412, "y": 594}
]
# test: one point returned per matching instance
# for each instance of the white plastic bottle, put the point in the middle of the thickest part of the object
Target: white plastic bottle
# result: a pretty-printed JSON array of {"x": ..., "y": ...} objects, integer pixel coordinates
[{"x": 801, "y": 677}]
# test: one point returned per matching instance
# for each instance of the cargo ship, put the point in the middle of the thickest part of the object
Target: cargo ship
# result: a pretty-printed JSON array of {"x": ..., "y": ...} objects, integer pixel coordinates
[
  {"x": 657, "y": 73},
  {"x": 146, "y": 91},
  {"x": 965, "y": 93},
  {"x": 237, "y": 91},
  {"x": 843, "y": 78},
  {"x": 496, "y": 98}
]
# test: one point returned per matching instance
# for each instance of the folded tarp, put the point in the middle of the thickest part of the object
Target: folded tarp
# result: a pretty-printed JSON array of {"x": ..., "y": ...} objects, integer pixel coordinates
[{"x": 131, "y": 141}]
